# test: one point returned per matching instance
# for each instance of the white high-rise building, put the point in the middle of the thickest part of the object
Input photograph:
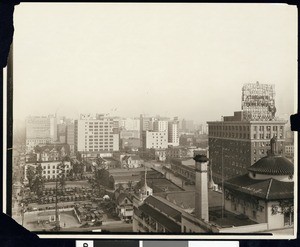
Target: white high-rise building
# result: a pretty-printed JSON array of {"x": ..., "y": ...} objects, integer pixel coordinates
[
  {"x": 71, "y": 137},
  {"x": 160, "y": 125},
  {"x": 173, "y": 137},
  {"x": 96, "y": 134}
]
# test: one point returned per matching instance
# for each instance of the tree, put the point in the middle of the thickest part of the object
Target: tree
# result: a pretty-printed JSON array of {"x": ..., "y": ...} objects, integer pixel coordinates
[
  {"x": 77, "y": 168},
  {"x": 61, "y": 175},
  {"x": 38, "y": 182},
  {"x": 30, "y": 176}
]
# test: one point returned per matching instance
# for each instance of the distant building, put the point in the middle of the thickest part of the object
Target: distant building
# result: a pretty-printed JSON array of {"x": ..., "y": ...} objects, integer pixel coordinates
[
  {"x": 173, "y": 136},
  {"x": 146, "y": 124},
  {"x": 160, "y": 126},
  {"x": 40, "y": 130},
  {"x": 93, "y": 155},
  {"x": 187, "y": 125},
  {"x": 132, "y": 161},
  {"x": 186, "y": 140},
  {"x": 95, "y": 134},
  {"x": 131, "y": 144},
  {"x": 52, "y": 152},
  {"x": 127, "y": 134},
  {"x": 109, "y": 163},
  {"x": 130, "y": 124},
  {"x": 289, "y": 150},
  {"x": 176, "y": 153},
  {"x": 70, "y": 138},
  {"x": 125, "y": 180},
  {"x": 155, "y": 140},
  {"x": 62, "y": 132},
  {"x": 50, "y": 169}
]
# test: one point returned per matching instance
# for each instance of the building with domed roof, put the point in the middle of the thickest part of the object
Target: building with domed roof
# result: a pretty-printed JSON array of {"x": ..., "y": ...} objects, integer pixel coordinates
[{"x": 266, "y": 193}]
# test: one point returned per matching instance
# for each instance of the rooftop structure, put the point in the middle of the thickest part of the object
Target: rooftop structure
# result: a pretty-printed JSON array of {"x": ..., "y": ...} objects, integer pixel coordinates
[
  {"x": 258, "y": 102},
  {"x": 266, "y": 193}
]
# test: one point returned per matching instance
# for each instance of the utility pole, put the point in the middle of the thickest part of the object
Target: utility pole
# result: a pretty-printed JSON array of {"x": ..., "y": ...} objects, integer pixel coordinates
[{"x": 57, "y": 225}]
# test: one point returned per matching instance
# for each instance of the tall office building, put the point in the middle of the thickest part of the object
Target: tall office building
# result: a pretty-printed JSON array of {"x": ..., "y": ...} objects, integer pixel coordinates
[
  {"x": 238, "y": 141},
  {"x": 173, "y": 137},
  {"x": 155, "y": 140},
  {"x": 160, "y": 125},
  {"x": 71, "y": 137},
  {"x": 187, "y": 125},
  {"x": 130, "y": 124},
  {"x": 40, "y": 130},
  {"x": 146, "y": 124},
  {"x": 95, "y": 134}
]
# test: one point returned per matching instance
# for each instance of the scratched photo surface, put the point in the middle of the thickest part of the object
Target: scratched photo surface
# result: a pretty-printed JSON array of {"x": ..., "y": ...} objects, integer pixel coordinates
[{"x": 155, "y": 118}]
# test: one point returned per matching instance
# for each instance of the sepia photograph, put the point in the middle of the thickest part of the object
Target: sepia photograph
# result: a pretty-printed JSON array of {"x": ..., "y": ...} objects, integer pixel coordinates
[{"x": 155, "y": 119}]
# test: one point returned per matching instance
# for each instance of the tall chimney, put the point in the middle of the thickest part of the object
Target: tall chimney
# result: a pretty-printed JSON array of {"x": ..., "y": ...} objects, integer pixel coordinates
[{"x": 201, "y": 197}]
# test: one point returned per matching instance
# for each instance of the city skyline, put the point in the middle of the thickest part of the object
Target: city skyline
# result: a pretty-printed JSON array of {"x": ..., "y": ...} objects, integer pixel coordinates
[
  {"x": 171, "y": 60},
  {"x": 154, "y": 118}
]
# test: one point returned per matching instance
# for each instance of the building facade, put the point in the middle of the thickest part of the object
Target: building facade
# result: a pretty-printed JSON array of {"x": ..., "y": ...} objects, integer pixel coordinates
[
  {"x": 160, "y": 126},
  {"x": 155, "y": 140},
  {"x": 71, "y": 137},
  {"x": 266, "y": 193},
  {"x": 96, "y": 134},
  {"x": 234, "y": 145},
  {"x": 238, "y": 141},
  {"x": 50, "y": 169},
  {"x": 40, "y": 130},
  {"x": 173, "y": 137}
]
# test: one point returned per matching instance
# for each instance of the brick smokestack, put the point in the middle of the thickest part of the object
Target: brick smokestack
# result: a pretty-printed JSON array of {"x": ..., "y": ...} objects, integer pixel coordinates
[{"x": 201, "y": 197}]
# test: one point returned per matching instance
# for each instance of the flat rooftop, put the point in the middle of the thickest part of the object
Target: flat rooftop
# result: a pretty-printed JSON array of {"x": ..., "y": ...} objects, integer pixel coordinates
[{"x": 229, "y": 219}]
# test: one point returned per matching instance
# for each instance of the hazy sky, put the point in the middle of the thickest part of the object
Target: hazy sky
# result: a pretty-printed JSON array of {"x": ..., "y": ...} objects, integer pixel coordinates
[{"x": 186, "y": 60}]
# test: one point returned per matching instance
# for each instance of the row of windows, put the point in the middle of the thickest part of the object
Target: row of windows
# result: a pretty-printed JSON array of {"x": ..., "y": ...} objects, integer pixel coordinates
[
  {"x": 101, "y": 142},
  {"x": 264, "y": 144},
  {"x": 99, "y": 122},
  {"x": 229, "y": 127},
  {"x": 53, "y": 167},
  {"x": 268, "y": 128},
  {"x": 49, "y": 176},
  {"x": 98, "y": 146},
  {"x": 96, "y": 150},
  {"x": 244, "y": 136},
  {"x": 246, "y": 128},
  {"x": 266, "y": 136},
  {"x": 230, "y": 135},
  {"x": 53, "y": 171}
]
